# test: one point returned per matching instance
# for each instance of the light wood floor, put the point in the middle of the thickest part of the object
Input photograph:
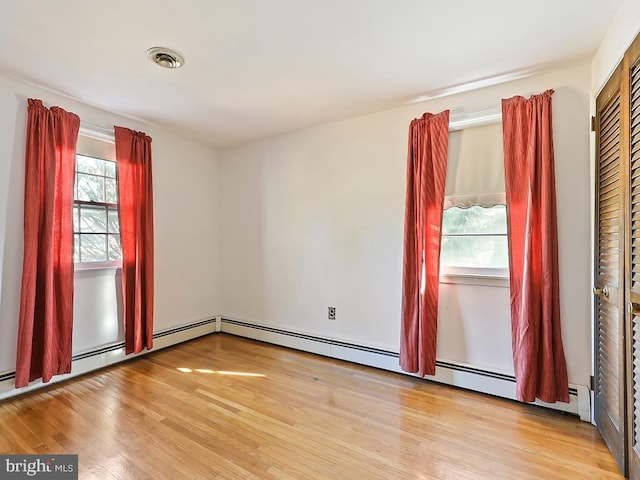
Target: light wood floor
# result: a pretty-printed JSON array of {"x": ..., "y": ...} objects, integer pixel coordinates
[{"x": 222, "y": 407}]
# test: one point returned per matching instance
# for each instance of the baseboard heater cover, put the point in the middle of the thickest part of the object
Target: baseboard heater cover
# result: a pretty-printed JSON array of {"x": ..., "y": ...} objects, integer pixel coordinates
[
  {"x": 459, "y": 375},
  {"x": 112, "y": 353}
]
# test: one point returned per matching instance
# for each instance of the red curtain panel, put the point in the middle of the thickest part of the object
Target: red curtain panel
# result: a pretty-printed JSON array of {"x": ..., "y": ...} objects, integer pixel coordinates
[
  {"x": 538, "y": 355},
  {"x": 426, "y": 172},
  {"x": 45, "y": 325},
  {"x": 133, "y": 154}
]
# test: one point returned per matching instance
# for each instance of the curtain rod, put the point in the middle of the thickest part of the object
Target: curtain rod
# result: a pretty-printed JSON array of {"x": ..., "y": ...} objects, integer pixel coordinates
[
  {"x": 97, "y": 132},
  {"x": 460, "y": 121},
  {"x": 457, "y": 121}
]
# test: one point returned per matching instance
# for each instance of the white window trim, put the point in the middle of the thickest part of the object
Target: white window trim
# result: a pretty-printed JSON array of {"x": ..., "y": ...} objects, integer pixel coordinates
[
  {"x": 97, "y": 269},
  {"x": 97, "y": 265},
  {"x": 486, "y": 276},
  {"x": 102, "y": 134},
  {"x": 491, "y": 277}
]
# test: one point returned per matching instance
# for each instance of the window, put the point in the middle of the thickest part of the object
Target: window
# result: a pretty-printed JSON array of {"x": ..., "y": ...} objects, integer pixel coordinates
[
  {"x": 96, "y": 226},
  {"x": 474, "y": 222},
  {"x": 475, "y": 237}
]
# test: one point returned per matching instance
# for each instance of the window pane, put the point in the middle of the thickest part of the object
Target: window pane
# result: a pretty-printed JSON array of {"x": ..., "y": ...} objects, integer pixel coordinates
[
  {"x": 96, "y": 225},
  {"x": 76, "y": 218},
  {"x": 110, "y": 169},
  {"x": 111, "y": 190},
  {"x": 90, "y": 188},
  {"x": 475, "y": 219},
  {"x": 115, "y": 249},
  {"x": 93, "y": 248},
  {"x": 93, "y": 219},
  {"x": 90, "y": 165},
  {"x": 76, "y": 248},
  {"x": 475, "y": 251},
  {"x": 114, "y": 223}
]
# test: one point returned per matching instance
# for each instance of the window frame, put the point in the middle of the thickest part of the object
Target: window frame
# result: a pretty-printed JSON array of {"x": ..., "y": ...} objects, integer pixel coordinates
[
  {"x": 494, "y": 277},
  {"x": 468, "y": 275},
  {"x": 102, "y": 264}
]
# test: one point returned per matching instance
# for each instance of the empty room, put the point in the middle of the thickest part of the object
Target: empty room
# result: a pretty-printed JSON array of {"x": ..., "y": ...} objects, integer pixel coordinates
[{"x": 296, "y": 240}]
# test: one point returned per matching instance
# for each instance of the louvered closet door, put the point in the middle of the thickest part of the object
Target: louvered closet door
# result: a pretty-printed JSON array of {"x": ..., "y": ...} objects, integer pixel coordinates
[
  {"x": 632, "y": 66},
  {"x": 609, "y": 267}
]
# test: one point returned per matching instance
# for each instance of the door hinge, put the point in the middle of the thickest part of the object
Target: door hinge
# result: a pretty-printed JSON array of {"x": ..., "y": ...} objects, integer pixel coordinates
[
  {"x": 592, "y": 383},
  {"x": 593, "y": 124}
]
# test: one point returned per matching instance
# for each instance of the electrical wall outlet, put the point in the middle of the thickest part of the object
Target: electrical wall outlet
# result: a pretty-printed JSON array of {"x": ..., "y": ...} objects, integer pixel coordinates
[{"x": 332, "y": 313}]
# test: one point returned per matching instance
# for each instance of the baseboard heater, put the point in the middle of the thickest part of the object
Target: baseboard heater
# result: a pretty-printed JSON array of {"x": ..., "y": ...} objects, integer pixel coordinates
[
  {"x": 110, "y": 354},
  {"x": 459, "y": 375}
]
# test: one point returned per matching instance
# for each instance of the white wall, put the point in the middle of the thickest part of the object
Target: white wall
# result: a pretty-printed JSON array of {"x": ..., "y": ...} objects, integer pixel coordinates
[
  {"x": 315, "y": 218},
  {"x": 620, "y": 34},
  {"x": 185, "y": 216},
  {"x": 275, "y": 231}
]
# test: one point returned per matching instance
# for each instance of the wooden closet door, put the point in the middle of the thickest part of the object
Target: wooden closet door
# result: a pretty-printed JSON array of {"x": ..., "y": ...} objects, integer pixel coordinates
[
  {"x": 610, "y": 379},
  {"x": 631, "y": 124}
]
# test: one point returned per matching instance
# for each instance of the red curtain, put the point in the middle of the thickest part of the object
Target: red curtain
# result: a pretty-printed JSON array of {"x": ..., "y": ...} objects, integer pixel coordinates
[
  {"x": 426, "y": 172},
  {"x": 538, "y": 355},
  {"x": 46, "y": 301},
  {"x": 133, "y": 153}
]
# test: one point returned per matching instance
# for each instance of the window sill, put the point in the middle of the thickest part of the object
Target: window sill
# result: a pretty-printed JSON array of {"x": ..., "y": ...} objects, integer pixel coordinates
[
  {"x": 489, "y": 277},
  {"x": 97, "y": 269}
]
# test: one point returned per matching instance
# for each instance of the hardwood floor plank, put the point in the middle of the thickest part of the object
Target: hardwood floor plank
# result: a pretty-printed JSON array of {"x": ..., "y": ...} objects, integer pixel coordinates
[{"x": 222, "y": 407}]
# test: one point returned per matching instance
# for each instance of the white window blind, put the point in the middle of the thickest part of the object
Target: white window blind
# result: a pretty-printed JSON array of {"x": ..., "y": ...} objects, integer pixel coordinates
[{"x": 475, "y": 167}]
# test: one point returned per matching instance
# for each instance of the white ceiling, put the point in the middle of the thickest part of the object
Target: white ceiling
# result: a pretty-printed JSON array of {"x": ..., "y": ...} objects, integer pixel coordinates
[{"x": 260, "y": 67}]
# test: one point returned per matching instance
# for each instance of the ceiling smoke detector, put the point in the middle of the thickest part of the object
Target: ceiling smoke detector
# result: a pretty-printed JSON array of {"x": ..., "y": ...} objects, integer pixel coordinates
[{"x": 165, "y": 57}]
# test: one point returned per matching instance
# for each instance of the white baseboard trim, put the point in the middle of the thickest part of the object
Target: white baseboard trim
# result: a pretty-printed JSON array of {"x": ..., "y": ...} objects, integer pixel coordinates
[
  {"x": 458, "y": 375},
  {"x": 107, "y": 355},
  {"x": 464, "y": 376}
]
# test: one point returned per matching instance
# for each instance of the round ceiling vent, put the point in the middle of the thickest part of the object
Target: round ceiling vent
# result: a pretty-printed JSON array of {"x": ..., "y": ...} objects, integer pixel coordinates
[{"x": 165, "y": 57}]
